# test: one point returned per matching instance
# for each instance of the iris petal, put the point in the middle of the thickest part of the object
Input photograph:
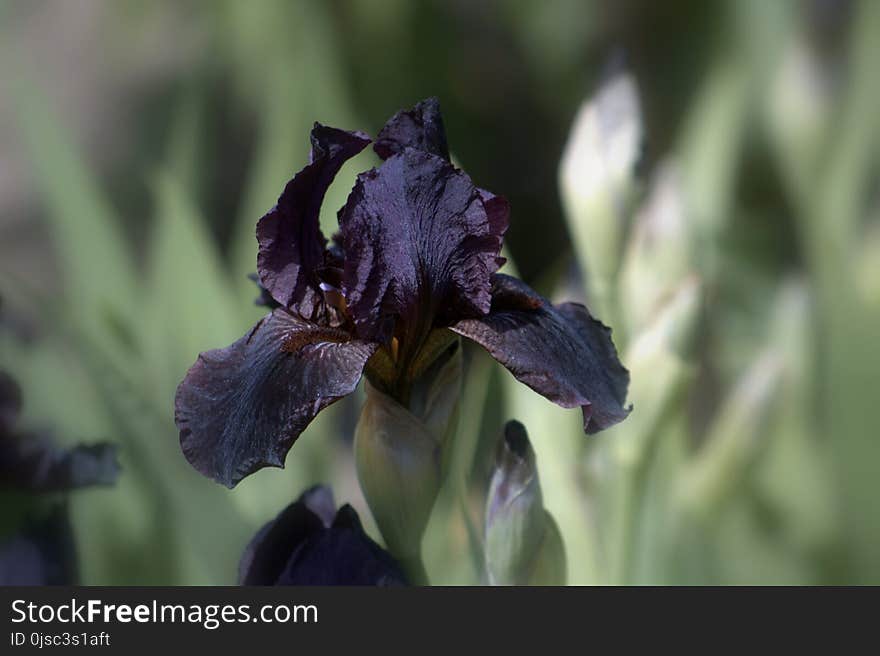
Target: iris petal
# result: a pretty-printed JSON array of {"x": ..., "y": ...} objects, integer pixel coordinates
[
  {"x": 267, "y": 553},
  {"x": 264, "y": 299},
  {"x": 498, "y": 212},
  {"x": 305, "y": 546},
  {"x": 420, "y": 127},
  {"x": 341, "y": 555},
  {"x": 559, "y": 351},
  {"x": 420, "y": 245},
  {"x": 241, "y": 408},
  {"x": 291, "y": 242}
]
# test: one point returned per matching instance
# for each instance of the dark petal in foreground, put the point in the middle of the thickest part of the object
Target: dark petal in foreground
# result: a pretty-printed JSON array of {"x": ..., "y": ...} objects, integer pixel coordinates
[
  {"x": 342, "y": 555},
  {"x": 303, "y": 546},
  {"x": 33, "y": 462},
  {"x": 419, "y": 245},
  {"x": 241, "y": 408},
  {"x": 559, "y": 351},
  {"x": 420, "y": 127},
  {"x": 40, "y": 553},
  {"x": 291, "y": 243},
  {"x": 267, "y": 553}
]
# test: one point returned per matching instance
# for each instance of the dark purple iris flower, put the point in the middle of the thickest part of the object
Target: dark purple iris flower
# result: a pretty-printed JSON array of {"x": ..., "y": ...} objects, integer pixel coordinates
[
  {"x": 414, "y": 264},
  {"x": 311, "y": 543}
]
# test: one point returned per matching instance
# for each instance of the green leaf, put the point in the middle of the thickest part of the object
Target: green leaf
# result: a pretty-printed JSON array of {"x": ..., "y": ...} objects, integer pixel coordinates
[
  {"x": 189, "y": 306},
  {"x": 96, "y": 263}
]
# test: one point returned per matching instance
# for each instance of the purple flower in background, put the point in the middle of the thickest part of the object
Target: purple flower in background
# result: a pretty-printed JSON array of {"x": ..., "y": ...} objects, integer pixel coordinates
[
  {"x": 311, "y": 543},
  {"x": 42, "y": 550},
  {"x": 31, "y": 461},
  {"x": 414, "y": 264}
]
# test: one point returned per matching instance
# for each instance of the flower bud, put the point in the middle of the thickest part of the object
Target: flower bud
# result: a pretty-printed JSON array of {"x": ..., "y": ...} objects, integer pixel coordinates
[
  {"x": 867, "y": 267},
  {"x": 523, "y": 543},
  {"x": 795, "y": 474},
  {"x": 659, "y": 360},
  {"x": 657, "y": 256},
  {"x": 549, "y": 566},
  {"x": 597, "y": 177},
  {"x": 401, "y": 452},
  {"x": 798, "y": 110}
]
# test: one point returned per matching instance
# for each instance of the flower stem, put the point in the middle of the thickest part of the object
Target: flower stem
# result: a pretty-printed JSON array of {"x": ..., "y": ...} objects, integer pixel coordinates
[{"x": 623, "y": 525}]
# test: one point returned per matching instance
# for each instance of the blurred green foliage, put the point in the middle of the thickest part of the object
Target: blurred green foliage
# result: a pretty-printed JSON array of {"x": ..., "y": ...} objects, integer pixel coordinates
[{"x": 724, "y": 220}]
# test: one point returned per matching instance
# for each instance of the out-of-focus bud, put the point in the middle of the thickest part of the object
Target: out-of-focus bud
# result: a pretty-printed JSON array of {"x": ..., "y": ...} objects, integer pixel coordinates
[
  {"x": 523, "y": 543},
  {"x": 658, "y": 361},
  {"x": 867, "y": 269},
  {"x": 797, "y": 110},
  {"x": 597, "y": 178},
  {"x": 401, "y": 454},
  {"x": 657, "y": 257},
  {"x": 734, "y": 440},
  {"x": 708, "y": 152},
  {"x": 796, "y": 475}
]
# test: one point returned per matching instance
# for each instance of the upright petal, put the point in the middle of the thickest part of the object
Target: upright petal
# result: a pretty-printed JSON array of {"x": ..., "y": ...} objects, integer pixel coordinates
[
  {"x": 419, "y": 246},
  {"x": 310, "y": 543},
  {"x": 265, "y": 298},
  {"x": 266, "y": 555},
  {"x": 342, "y": 555},
  {"x": 559, "y": 351},
  {"x": 498, "y": 212},
  {"x": 420, "y": 127},
  {"x": 291, "y": 243},
  {"x": 241, "y": 408}
]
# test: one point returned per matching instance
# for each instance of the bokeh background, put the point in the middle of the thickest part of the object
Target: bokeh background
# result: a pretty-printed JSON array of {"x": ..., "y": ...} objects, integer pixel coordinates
[{"x": 703, "y": 174}]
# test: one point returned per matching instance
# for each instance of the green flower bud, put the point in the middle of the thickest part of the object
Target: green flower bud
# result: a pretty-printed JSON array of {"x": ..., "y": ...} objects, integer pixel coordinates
[
  {"x": 401, "y": 454},
  {"x": 795, "y": 474},
  {"x": 549, "y": 567},
  {"x": 523, "y": 543},
  {"x": 659, "y": 360},
  {"x": 867, "y": 266},
  {"x": 798, "y": 111},
  {"x": 597, "y": 178},
  {"x": 657, "y": 257},
  {"x": 707, "y": 155}
]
